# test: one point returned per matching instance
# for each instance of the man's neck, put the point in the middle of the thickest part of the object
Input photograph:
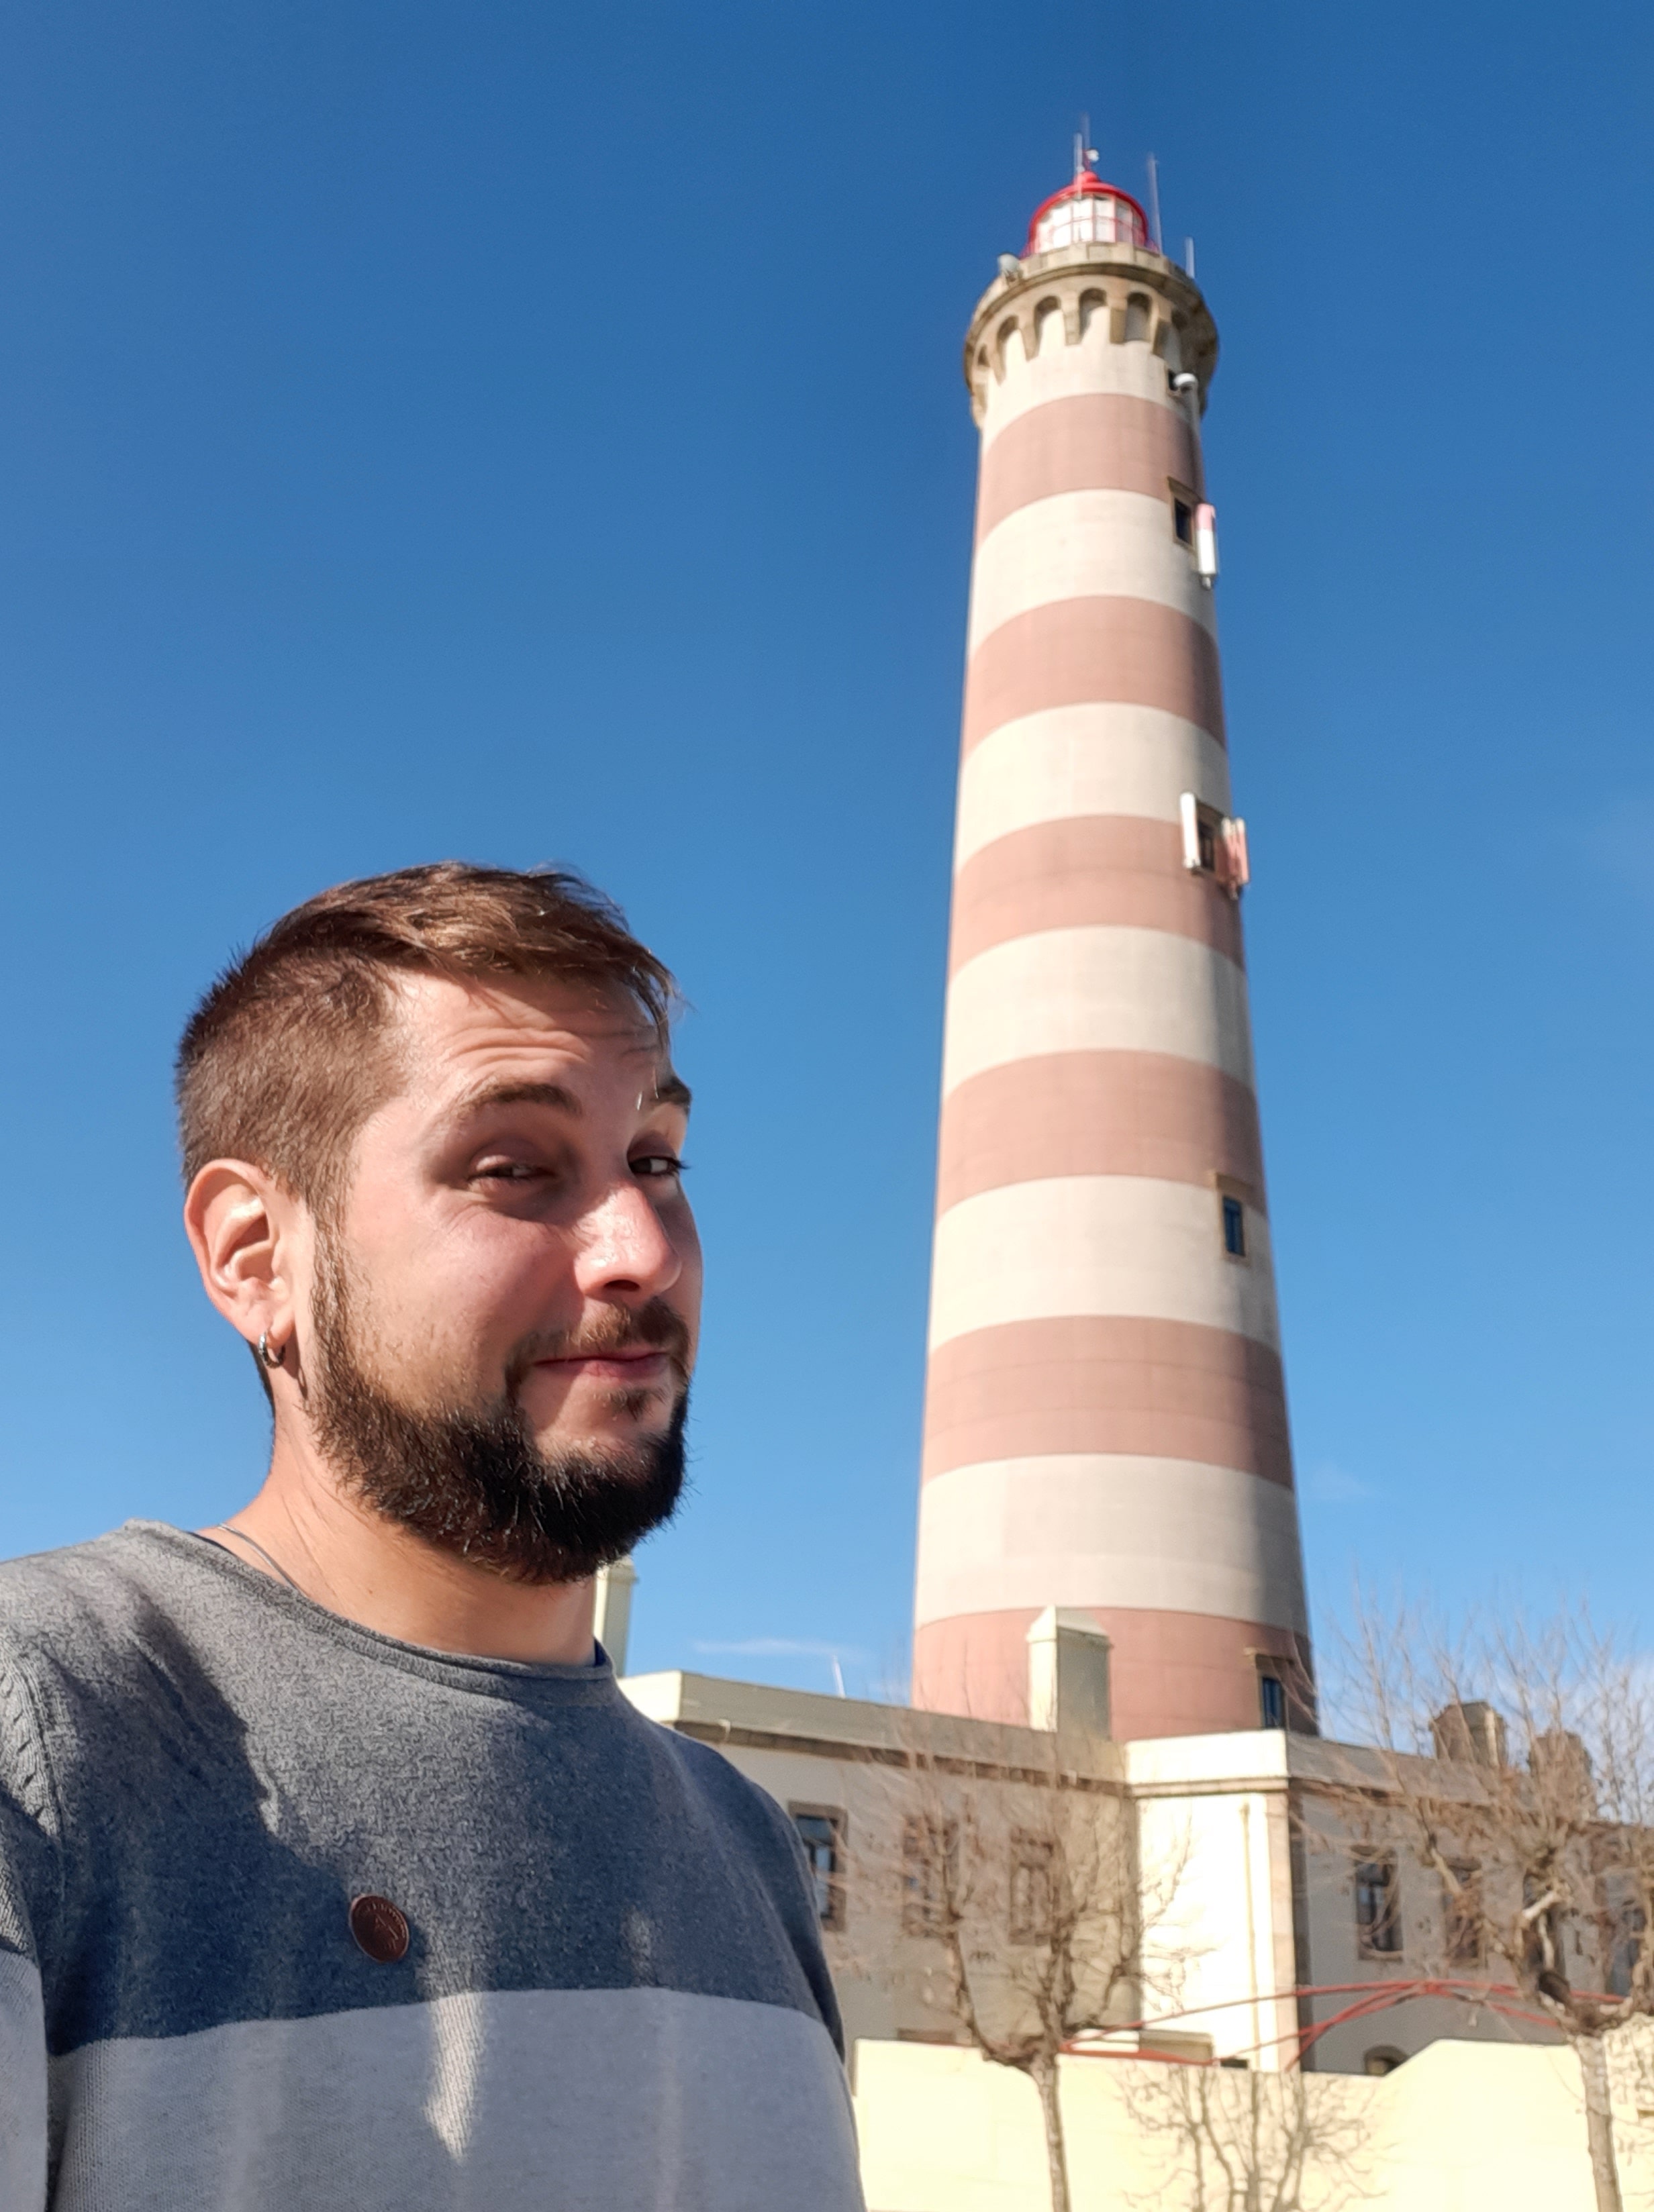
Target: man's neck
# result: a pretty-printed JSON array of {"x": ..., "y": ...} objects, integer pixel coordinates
[{"x": 346, "y": 1557}]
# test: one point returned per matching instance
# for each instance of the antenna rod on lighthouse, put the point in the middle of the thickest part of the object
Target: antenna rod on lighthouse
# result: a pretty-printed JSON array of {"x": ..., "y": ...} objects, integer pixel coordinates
[{"x": 1154, "y": 203}]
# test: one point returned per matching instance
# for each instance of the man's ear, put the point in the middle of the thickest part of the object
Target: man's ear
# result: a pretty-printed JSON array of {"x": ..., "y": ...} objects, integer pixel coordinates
[{"x": 239, "y": 1222}]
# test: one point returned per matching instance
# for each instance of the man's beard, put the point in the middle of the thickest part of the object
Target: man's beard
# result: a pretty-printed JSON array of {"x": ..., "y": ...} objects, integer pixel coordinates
[{"x": 472, "y": 1479}]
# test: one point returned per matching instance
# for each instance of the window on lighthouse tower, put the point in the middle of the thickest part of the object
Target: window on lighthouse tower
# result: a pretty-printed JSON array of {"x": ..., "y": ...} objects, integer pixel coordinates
[{"x": 1234, "y": 1227}]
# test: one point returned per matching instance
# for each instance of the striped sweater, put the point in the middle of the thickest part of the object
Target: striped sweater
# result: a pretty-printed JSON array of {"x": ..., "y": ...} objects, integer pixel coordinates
[{"x": 295, "y": 1914}]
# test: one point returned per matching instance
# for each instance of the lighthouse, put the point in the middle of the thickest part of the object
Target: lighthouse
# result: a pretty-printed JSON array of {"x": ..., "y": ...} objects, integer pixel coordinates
[{"x": 1106, "y": 1451}]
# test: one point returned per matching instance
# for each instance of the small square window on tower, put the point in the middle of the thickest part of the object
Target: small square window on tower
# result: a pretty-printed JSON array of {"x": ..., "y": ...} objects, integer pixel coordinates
[
  {"x": 1214, "y": 844},
  {"x": 1184, "y": 503},
  {"x": 1236, "y": 1202},
  {"x": 1272, "y": 1701},
  {"x": 1200, "y": 828},
  {"x": 1234, "y": 1227}
]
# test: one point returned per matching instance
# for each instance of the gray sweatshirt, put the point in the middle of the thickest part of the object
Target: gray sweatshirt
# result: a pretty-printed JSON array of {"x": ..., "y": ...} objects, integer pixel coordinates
[{"x": 613, "y": 1994}]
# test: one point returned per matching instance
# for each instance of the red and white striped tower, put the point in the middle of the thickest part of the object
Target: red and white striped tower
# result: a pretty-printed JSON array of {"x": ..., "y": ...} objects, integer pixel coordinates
[{"x": 1106, "y": 1420}]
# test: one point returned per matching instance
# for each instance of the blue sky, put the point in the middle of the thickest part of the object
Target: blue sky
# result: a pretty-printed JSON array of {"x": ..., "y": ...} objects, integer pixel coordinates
[{"x": 527, "y": 433}]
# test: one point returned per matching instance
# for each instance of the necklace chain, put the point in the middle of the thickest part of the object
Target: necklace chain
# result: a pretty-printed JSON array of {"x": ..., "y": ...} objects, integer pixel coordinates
[{"x": 230, "y": 1529}]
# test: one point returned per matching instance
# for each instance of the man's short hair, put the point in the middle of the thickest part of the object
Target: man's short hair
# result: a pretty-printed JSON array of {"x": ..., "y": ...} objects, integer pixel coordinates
[{"x": 293, "y": 1046}]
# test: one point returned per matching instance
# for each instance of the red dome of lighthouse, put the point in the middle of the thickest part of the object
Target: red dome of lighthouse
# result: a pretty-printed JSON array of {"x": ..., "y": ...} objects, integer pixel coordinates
[{"x": 1087, "y": 212}]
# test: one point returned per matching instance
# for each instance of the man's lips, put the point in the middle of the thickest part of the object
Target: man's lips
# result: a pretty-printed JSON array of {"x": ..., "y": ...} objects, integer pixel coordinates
[{"x": 628, "y": 1362}]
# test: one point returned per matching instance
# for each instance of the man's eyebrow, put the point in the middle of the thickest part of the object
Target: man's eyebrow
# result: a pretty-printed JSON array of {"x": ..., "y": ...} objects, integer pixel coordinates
[
  {"x": 669, "y": 1091},
  {"x": 561, "y": 1100}
]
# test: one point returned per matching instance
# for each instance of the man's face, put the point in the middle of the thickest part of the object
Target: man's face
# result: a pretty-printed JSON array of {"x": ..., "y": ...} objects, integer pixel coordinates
[{"x": 504, "y": 1311}]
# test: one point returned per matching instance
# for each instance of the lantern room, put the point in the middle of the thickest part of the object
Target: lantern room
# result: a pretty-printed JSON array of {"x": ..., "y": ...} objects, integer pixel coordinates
[{"x": 1087, "y": 212}]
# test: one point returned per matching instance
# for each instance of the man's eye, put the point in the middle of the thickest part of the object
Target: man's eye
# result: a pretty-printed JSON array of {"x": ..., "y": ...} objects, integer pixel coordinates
[
  {"x": 507, "y": 1171},
  {"x": 659, "y": 1166}
]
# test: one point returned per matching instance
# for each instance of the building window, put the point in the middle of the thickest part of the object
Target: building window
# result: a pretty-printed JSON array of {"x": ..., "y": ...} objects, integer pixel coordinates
[
  {"x": 1091, "y": 217},
  {"x": 1182, "y": 521},
  {"x": 1272, "y": 1700},
  {"x": 1214, "y": 844},
  {"x": 1236, "y": 1202},
  {"x": 930, "y": 1867},
  {"x": 821, "y": 1830},
  {"x": 1377, "y": 1908},
  {"x": 1628, "y": 1926},
  {"x": 1234, "y": 1232},
  {"x": 1466, "y": 1945},
  {"x": 1033, "y": 1871}
]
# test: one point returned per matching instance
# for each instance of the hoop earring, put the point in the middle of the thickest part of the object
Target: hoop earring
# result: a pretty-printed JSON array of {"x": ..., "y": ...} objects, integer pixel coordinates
[{"x": 268, "y": 1357}]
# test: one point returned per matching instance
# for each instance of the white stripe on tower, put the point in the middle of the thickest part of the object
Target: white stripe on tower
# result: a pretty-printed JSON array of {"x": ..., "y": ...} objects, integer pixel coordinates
[
  {"x": 1098, "y": 759},
  {"x": 1105, "y": 1418}
]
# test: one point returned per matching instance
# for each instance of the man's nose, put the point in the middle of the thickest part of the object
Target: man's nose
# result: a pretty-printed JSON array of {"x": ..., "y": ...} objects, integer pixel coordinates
[{"x": 625, "y": 1251}]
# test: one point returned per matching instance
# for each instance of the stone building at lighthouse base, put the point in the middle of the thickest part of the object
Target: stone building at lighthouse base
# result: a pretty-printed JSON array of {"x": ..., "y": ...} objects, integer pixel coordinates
[
  {"x": 1266, "y": 1902},
  {"x": 1424, "y": 2106}
]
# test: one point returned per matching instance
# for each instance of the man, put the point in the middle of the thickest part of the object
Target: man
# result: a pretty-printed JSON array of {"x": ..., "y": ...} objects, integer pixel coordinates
[{"x": 335, "y": 1870}]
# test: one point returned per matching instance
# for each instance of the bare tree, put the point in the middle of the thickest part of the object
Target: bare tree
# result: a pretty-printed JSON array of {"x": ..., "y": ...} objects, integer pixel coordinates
[
  {"x": 1035, "y": 1922},
  {"x": 1252, "y": 2142},
  {"x": 1518, "y": 1760}
]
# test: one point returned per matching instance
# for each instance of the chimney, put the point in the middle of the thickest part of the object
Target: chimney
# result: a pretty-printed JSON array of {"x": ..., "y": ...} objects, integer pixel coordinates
[
  {"x": 1560, "y": 1765},
  {"x": 1471, "y": 1732},
  {"x": 1068, "y": 1674},
  {"x": 613, "y": 1621}
]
